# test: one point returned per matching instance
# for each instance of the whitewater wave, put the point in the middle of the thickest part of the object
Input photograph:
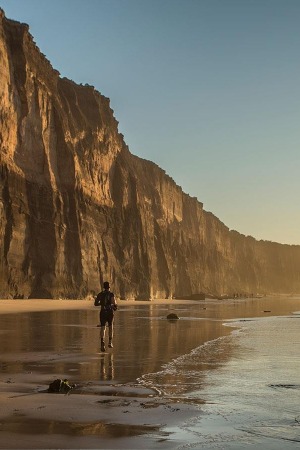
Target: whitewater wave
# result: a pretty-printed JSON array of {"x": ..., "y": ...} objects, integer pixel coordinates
[{"x": 186, "y": 374}]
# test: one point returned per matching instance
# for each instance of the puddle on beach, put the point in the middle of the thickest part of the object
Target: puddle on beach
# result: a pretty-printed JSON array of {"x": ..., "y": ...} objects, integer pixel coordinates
[{"x": 25, "y": 425}]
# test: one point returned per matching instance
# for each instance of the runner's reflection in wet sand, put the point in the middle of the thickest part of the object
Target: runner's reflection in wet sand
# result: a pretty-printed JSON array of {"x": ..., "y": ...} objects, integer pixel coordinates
[{"x": 107, "y": 372}]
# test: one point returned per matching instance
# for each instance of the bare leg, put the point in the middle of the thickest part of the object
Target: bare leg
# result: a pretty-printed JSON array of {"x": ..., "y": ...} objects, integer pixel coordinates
[
  {"x": 110, "y": 334},
  {"x": 102, "y": 336},
  {"x": 102, "y": 333}
]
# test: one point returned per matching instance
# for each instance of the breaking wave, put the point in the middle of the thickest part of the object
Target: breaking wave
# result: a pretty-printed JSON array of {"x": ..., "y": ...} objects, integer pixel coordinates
[{"x": 186, "y": 373}]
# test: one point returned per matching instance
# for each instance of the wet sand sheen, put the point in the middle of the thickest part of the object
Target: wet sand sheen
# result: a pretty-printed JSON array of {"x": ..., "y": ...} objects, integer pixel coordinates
[{"x": 110, "y": 408}]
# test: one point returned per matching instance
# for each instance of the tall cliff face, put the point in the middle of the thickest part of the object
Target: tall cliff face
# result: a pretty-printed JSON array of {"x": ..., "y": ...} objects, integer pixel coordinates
[{"x": 76, "y": 207}]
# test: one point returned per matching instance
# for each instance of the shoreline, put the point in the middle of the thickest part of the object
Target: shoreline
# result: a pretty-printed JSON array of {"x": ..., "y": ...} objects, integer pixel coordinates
[{"x": 106, "y": 412}]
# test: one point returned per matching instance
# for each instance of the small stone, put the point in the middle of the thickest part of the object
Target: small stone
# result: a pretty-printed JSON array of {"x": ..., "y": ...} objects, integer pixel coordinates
[{"x": 172, "y": 316}]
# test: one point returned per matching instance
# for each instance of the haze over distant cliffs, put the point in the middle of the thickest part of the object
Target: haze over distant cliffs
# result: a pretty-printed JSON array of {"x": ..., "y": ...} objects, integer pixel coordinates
[{"x": 76, "y": 207}]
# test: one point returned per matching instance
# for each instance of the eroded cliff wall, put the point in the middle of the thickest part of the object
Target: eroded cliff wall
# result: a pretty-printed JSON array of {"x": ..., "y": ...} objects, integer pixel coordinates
[{"x": 76, "y": 207}]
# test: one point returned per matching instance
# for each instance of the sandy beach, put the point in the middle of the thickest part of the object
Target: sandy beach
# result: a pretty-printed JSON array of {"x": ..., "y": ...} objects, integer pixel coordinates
[
  {"x": 101, "y": 415},
  {"x": 19, "y": 306},
  {"x": 163, "y": 386}
]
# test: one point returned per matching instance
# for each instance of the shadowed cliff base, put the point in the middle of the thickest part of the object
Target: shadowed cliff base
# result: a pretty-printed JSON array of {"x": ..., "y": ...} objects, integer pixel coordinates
[{"x": 78, "y": 208}]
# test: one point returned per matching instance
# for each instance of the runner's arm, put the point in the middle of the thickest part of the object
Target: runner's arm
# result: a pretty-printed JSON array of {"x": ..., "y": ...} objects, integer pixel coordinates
[{"x": 114, "y": 302}]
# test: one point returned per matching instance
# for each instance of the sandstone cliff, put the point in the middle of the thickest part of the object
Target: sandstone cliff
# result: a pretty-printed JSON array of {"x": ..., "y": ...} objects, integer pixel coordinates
[{"x": 76, "y": 207}]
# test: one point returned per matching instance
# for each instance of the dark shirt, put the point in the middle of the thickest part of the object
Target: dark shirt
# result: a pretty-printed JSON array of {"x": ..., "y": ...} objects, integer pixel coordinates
[{"x": 106, "y": 300}]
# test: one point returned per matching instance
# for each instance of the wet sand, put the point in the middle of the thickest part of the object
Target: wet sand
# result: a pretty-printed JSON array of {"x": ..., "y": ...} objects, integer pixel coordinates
[
  {"x": 159, "y": 387},
  {"x": 101, "y": 412},
  {"x": 119, "y": 418}
]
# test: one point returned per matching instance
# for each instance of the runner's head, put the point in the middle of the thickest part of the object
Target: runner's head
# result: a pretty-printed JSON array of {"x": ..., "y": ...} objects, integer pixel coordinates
[{"x": 106, "y": 285}]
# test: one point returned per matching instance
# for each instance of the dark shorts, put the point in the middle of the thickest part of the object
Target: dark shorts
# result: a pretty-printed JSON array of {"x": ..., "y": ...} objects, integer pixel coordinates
[{"x": 106, "y": 317}]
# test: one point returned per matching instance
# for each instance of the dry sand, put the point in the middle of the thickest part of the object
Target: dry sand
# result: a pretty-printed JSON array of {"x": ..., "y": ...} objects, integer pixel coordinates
[
  {"x": 15, "y": 306},
  {"x": 113, "y": 416}
]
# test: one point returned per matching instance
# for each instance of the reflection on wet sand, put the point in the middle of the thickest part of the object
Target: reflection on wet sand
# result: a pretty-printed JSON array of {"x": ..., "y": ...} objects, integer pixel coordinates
[
  {"x": 106, "y": 430},
  {"x": 67, "y": 343},
  {"x": 107, "y": 372},
  {"x": 157, "y": 371}
]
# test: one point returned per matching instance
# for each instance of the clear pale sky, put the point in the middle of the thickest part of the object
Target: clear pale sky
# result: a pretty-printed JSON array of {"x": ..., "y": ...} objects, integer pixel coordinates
[{"x": 207, "y": 89}]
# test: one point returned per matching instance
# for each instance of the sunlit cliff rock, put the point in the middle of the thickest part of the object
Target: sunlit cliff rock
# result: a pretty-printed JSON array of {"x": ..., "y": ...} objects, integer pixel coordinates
[{"x": 76, "y": 207}]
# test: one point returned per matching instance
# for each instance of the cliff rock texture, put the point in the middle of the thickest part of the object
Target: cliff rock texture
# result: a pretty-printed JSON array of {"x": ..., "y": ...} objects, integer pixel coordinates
[{"x": 76, "y": 207}]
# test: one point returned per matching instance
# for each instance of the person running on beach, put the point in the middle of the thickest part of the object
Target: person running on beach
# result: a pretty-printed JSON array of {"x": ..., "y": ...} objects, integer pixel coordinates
[{"x": 106, "y": 300}]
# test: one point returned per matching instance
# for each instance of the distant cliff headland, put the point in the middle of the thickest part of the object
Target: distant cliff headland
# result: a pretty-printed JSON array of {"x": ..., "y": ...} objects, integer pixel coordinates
[{"x": 76, "y": 207}]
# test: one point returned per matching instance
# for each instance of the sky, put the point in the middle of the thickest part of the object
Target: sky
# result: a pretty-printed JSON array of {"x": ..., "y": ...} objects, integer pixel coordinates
[{"x": 207, "y": 89}]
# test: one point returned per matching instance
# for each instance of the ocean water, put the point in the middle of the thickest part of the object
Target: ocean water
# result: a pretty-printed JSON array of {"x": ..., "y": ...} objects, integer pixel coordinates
[
  {"x": 257, "y": 392},
  {"x": 237, "y": 360},
  {"x": 252, "y": 397}
]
